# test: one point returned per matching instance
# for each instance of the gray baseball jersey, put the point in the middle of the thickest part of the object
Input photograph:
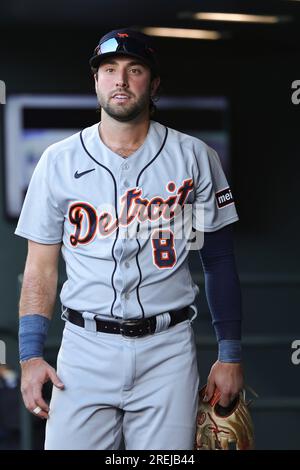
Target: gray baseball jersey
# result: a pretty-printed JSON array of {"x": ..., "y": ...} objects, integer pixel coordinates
[{"x": 122, "y": 221}]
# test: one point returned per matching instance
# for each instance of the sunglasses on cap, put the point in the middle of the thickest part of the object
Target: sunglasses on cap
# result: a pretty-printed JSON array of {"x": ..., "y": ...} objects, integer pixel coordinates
[{"x": 124, "y": 45}]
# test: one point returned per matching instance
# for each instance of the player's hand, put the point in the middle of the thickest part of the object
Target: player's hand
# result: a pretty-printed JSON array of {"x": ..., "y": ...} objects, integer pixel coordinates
[
  {"x": 228, "y": 378},
  {"x": 35, "y": 373}
]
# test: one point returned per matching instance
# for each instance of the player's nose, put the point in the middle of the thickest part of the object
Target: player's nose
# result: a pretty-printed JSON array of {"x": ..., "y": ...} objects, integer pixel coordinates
[{"x": 122, "y": 79}]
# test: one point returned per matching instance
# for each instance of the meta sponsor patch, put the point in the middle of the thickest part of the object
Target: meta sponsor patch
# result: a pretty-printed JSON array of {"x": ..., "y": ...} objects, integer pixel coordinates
[{"x": 224, "y": 198}]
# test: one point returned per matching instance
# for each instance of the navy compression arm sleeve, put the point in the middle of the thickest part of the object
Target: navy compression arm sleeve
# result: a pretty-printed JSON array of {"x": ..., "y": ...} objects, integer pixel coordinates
[{"x": 223, "y": 291}]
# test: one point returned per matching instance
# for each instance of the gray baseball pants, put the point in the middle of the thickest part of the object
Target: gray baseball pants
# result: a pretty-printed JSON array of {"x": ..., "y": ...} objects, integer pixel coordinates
[{"x": 143, "y": 388}]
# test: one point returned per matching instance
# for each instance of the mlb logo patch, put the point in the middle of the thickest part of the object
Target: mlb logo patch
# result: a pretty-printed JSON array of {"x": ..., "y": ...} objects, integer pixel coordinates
[{"x": 224, "y": 198}]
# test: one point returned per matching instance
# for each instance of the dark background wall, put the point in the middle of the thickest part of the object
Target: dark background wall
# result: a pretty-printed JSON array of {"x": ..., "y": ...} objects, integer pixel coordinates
[{"x": 254, "y": 67}]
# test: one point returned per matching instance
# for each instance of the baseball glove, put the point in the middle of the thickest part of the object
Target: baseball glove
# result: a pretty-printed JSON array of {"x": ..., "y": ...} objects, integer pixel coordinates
[{"x": 220, "y": 428}]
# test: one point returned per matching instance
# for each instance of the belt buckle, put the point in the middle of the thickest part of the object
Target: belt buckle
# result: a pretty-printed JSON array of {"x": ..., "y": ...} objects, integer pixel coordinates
[{"x": 131, "y": 323}]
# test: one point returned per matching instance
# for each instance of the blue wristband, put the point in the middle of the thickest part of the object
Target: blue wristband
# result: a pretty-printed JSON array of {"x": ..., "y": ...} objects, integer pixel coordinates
[
  {"x": 230, "y": 350},
  {"x": 33, "y": 331}
]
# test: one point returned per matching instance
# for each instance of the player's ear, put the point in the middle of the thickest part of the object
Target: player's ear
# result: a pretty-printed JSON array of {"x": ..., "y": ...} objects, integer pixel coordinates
[
  {"x": 154, "y": 85},
  {"x": 96, "y": 81}
]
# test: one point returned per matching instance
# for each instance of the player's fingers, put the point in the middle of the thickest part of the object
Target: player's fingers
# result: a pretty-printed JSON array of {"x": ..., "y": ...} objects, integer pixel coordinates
[
  {"x": 26, "y": 402},
  {"x": 55, "y": 379},
  {"x": 33, "y": 407},
  {"x": 209, "y": 391},
  {"x": 27, "y": 394},
  {"x": 225, "y": 399},
  {"x": 38, "y": 411},
  {"x": 39, "y": 401},
  {"x": 39, "y": 407}
]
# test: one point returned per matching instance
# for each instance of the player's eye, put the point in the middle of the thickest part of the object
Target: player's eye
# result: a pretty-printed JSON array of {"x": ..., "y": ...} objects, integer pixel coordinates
[
  {"x": 136, "y": 71},
  {"x": 109, "y": 69}
]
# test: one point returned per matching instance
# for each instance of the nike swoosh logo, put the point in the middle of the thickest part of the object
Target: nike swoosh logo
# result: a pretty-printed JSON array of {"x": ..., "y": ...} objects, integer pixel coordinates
[{"x": 79, "y": 175}]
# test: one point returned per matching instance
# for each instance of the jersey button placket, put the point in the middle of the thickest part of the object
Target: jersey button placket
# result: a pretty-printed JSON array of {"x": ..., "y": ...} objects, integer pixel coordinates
[
  {"x": 120, "y": 243},
  {"x": 124, "y": 184}
]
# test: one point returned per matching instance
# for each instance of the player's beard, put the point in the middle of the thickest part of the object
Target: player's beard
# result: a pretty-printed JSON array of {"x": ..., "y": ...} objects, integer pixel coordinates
[{"x": 127, "y": 112}]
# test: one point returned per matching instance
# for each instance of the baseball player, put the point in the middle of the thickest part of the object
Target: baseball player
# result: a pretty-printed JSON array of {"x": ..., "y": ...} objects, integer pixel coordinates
[{"x": 122, "y": 200}]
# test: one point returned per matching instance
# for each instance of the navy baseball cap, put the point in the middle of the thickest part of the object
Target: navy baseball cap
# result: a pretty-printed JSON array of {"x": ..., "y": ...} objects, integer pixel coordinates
[{"x": 126, "y": 42}]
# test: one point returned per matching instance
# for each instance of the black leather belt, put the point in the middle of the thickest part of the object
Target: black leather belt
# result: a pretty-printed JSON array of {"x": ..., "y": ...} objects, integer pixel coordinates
[{"x": 131, "y": 328}]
